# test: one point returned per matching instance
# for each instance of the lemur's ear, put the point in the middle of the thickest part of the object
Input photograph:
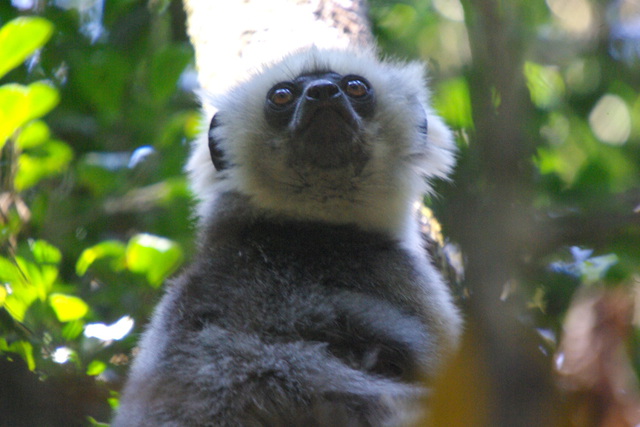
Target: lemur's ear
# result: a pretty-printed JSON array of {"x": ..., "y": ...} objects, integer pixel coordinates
[
  {"x": 423, "y": 124},
  {"x": 423, "y": 127},
  {"x": 217, "y": 155}
]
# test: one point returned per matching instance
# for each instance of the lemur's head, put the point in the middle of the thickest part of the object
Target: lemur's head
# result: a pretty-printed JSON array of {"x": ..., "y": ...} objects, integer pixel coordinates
[{"x": 326, "y": 135}]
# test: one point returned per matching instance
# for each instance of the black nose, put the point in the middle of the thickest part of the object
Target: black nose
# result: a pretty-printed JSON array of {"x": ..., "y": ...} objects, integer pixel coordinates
[{"x": 322, "y": 91}]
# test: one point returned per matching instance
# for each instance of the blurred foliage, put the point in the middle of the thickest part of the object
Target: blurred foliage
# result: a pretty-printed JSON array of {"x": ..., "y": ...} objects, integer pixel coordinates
[
  {"x": 579, "y": 193},
  {"x": 585, "y": 124},
  {"x": 96, "y": 113},
  {"x": 97, "y": 110}
]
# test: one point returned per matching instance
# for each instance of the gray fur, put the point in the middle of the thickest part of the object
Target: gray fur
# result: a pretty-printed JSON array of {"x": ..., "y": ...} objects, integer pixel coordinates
[{"x": 303, "y": 308}]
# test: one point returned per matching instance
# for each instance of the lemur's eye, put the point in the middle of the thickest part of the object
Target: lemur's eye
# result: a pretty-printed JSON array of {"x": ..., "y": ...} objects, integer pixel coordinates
[
  {"x": 356, "y": 88},
  {"x": 281, "y": 96}
]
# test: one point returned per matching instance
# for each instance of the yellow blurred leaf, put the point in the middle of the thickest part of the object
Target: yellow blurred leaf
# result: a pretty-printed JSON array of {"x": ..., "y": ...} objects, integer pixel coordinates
[{"x": 68, "y": 307}]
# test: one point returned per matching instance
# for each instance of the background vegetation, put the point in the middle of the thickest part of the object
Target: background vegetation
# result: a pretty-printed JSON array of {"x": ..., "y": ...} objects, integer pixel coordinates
[{"x": 97, "y": 111}]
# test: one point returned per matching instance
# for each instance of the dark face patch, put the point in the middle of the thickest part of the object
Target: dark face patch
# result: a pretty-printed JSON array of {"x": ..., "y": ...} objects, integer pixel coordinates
[
  {"x": 217, "y": 155},
  {"x": 322, "y": 114}
]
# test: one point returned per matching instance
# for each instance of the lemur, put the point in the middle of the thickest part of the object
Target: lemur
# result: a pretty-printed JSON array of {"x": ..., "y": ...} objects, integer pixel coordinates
[{"x": 310, "y": 301}]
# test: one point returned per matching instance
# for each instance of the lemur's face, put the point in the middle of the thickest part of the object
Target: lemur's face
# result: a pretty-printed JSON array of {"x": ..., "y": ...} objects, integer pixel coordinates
[
  {"x": 330, "y": 135},
  {"x": 323, "y": 114}
]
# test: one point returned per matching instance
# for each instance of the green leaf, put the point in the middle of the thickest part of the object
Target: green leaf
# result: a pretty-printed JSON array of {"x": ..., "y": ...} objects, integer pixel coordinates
[
  {"x": 44, "y": 252},
  {"x": 23, "y": 348},
  {"x": 51, "y": 158},
  {"x": 72, "y": 330},
  {"x": 29, "y": 280},
  {"x": 68, "y": 307},
  {"x": 166, "y": 67},
  {"x": 545, "y": 84},
  {"x": 33, "y": 134},
  {"x": 106, "y": 249},
  {"x": 153, "y": 256},
  {"x": 94, "y": 423},
  {"x": 453, "y": 103},
  {"x": 40, "y": 278},
  {"x": 111, "y": 69},
  {"x": 13, "y": 110},
  {"x": 185, "y": 124},
  {"x": 18, "y": 302},
  {"x": 96, "y": 367},
  {"x": 20, "y": 38},
  {"x": 9, "y": 271},
  {"x": 42, "y": 98},
  {"x": 19, "y": 104},
  {"x": 114, "y": 400},
  {"x": 193, "y": 124},
  {"x": 3, "y": 295},
  {"x": 20, "y": 293}
]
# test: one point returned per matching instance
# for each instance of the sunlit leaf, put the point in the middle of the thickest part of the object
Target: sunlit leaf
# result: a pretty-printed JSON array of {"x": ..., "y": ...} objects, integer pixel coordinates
[
  {"x": 94, "y": 423},
  {"x": 193, "y": 125},
  {"x": 44, "y": 252},
  {"x": 153, "y": 256},
  {"x": 14, "y": 110},
  {"x": 68, "y": 307},
  {"x": 33, "y": 134},
  {"x": 545, "y": 84},
  {"x": 42, "y": 98},
  {"x": 186, "y": 124},
  {"x": 50, "y": 159},
  {"x": 3, "y": 295},
  {"x": 29, "y": 278},
  {"x": 453, "y": 103},
  {"x": 26, "y": 281},
  {"x": 39, "y": 278},
  {"x": 44, "y": 272},
  {"x": 96, "y": 367},
  {"x": 20, "y": 38},
  {"x": 23, "y": 348},
  {"x": 20, "y": 293},
  {"x": 9, "y": 271},
  {"x": 72, "y": 330},
  {"x": 114, "y": 400},
  {"x": 19, "y": 104},
  {"x": 19, "y": 300},
  {"x": 107, "y": 249},
  {"x": 41, "y": 269}
]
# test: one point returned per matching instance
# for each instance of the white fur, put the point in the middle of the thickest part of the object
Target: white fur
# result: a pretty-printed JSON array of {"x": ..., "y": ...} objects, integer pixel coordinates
[{"x": 380, "y": 198}]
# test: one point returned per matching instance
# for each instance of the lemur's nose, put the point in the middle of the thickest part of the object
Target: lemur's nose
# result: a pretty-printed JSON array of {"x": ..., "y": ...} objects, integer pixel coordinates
[{"x": 322, "y": 90}]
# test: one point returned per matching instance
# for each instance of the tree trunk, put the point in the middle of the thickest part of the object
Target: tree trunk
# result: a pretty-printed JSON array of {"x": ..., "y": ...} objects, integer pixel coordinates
[{"x": 233, "y": 37}]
